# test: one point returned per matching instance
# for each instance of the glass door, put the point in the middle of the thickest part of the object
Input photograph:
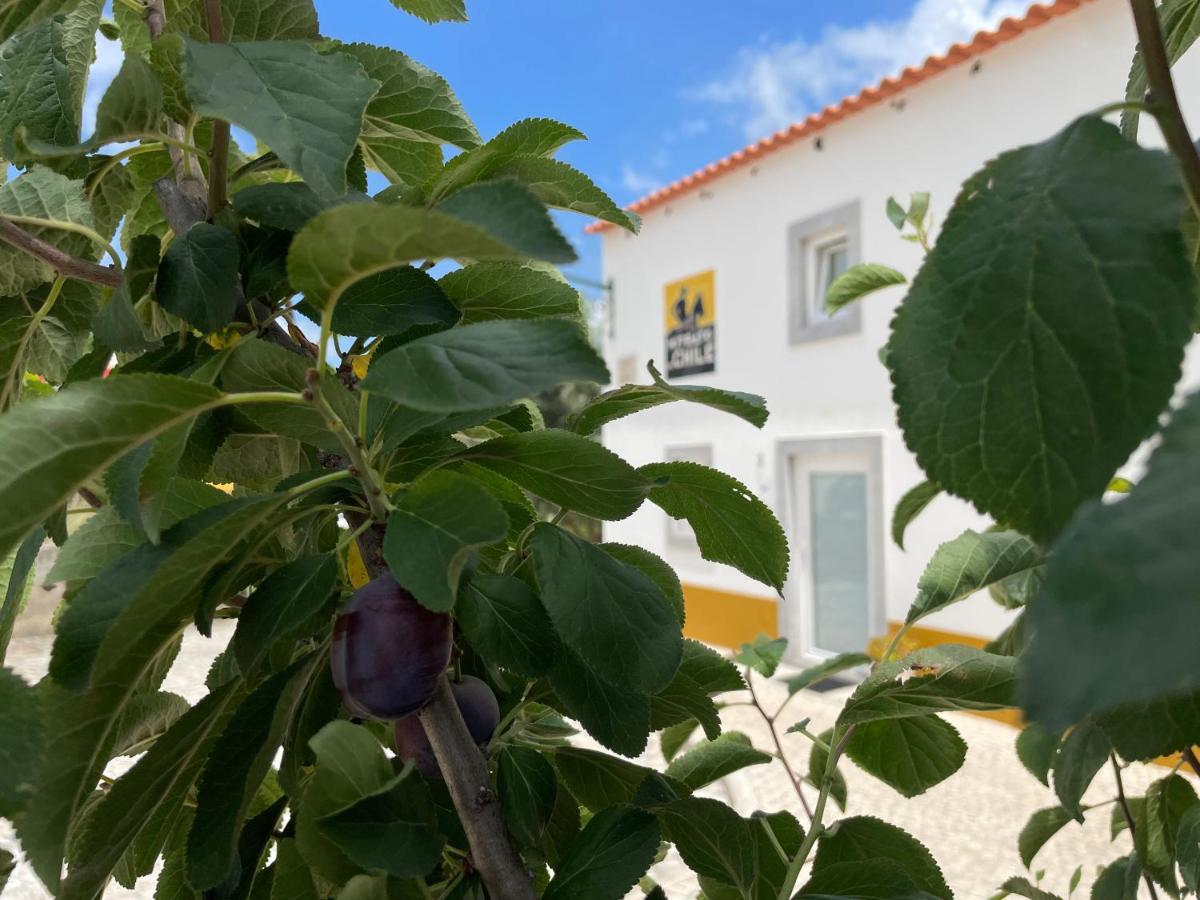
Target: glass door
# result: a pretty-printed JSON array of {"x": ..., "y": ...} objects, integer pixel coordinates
[{"x": 834, "y": 530}]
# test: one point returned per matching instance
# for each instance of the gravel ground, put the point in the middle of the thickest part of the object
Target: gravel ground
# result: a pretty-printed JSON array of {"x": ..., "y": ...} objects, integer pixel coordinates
[{"x": 970, "y": 822}]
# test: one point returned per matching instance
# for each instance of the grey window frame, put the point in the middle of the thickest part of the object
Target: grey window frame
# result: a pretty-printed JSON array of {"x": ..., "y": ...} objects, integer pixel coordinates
[{"x": 801, "y": 236}]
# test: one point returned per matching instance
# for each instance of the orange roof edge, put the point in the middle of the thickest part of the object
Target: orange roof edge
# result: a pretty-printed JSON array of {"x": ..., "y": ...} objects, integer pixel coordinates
[{"x": 1037, "y": 15}]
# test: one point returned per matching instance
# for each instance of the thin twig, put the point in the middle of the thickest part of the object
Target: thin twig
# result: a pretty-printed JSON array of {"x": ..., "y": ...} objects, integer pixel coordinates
[
  {"x": 64, "y": 263},
  {"x": 1162, "y": 100},
  {"x": 1189, "y": 756},
  {"x": 218, "y": 157},
  {"x": 779, "y": 753},
  {"x": 1125, "y": 808}
]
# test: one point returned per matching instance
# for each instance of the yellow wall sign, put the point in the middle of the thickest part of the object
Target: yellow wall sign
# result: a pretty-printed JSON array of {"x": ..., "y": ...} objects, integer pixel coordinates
[{"x": 690, "y": 324}]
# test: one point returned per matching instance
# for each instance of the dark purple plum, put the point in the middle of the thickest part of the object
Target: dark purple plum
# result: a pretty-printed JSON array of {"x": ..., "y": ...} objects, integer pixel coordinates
[
  {"x": 479, "y": 710},
  {"x": 388, "y": 650}
]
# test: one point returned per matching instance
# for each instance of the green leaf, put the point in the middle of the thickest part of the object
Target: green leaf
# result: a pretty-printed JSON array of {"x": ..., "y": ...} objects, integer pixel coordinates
[
  {"x": 83, "y": 726},
  {"x": 911, "y": 505},
  {"x": 16, "y": 577},
  {"x": 282, "y": 205},
  {"x": 763, "y": 654},
  {"x": 390, "y": 831},
  {"x": 527, "y": 786},
  {"x": 826, "y": 669},
  {"x": 596, "y": 779},
  {"x": 7, "y": 864},
  {"x": 626, "y": 631},
  {"x": 613, "y": 851},
  {"x": 413, "y": 103},
  {"x": 1022, "y": 888},
  {"x": 1042, "y": 825},
  {"x": 1187, "y": 848},
  {"x": 116, "y": 323},
  {"x": 862, "y": 839},
  {"x": 40, "y": 91},
  {"x": 565, "y": 187},
  {"x": 1145, "y": 730},
  {"x": 52, "y": 447},
  {"x": 1079, "y": 757},
  {"x": 634, "y": 398},
  {"x": 21, "y": 749},
  {"x": 567, "y": 469},
  {"x": 146, "y": 718},
  {"x": 437, "y": 525},
  {"x": 616, "y": 717},
  {"x": 255, "y": 365},
  {"x": 350, "y": 766},
  {"x": 198, "y": 277},
  {"x": 503, "y": 619},
  {"x": 1036, "y": 749},
  {"x": 507, "y": 290},
  {"x": 731, "y": 524},
  {"x": 653, "y": 567},
  {"x": 513, "y": 214},
  {"x": 45, "y": 195},
  {"x": 969, "y": 563},
  {"x": 713, "y": 840},
  {"x": 129, "y": 109},
  {"x": 278, "y": 91},
  {"x": 1031, "y": 415},
  {"x": 18, "y": 15},
  {"x": 280, "y": 606},
  {"x": 484, "y": 365},
  {"x": 1119, "y": 880},
  {"x": 858, "y": 281},
  {"x": 873, "y": 880},
  {"x": 1180, "y": 28},
  {"x": 87, "y": 619},
  {"x": 528, "y": 137},
  {"x": 434, "y": 10},
  {"x": 1167, "y": 801},
  {"x": 293, "y": 878},
  {"x": 702, "y": 673},
  {"x": 711, "y": 760},
  {"x": 392, "y": 302},
  {"x": 247, "y": 20},
  {"x": 158, "y": 781},
  {"x": 910, "y": 754},
  {"x": 937, "y": 679},
  {"x": 1111, "y": 622}
]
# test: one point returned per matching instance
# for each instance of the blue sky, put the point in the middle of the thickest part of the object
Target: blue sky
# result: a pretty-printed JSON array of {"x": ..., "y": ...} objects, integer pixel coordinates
[{"x": 661, "y": 87}]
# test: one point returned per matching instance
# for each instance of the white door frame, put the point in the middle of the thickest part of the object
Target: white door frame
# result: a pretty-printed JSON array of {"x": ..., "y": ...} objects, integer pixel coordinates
[{"x": 864, "y": 453}]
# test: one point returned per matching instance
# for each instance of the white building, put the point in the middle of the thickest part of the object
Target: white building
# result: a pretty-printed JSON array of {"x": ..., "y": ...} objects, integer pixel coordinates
[{"x": 771, "y": 223}]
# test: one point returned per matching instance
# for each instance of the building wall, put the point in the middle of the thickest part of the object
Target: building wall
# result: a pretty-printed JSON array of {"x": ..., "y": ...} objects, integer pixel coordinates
[{"x": 940, "y": 132}]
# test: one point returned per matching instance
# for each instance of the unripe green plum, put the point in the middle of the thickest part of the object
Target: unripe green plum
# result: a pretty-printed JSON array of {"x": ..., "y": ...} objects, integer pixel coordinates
[{"x": 388, "y": 650}]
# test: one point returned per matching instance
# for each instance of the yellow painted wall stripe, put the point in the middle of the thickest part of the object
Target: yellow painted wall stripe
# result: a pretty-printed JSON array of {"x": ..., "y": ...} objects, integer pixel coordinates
[{"x": 725, "y": 618}]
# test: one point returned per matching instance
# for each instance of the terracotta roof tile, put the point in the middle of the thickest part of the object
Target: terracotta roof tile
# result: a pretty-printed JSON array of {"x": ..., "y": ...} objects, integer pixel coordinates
[{"x": 1038, "y": 14}]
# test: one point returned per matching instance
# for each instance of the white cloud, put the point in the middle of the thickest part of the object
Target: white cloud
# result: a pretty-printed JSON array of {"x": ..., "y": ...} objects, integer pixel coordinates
[
  {"x": 104, "y": 69},
  {"x": 639, "y": 182},
  {"x": 772, "y": 84}
]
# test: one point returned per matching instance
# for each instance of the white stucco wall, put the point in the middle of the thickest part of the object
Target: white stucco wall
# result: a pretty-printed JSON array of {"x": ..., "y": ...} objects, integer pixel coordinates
[{"x": 948, "y": 126}]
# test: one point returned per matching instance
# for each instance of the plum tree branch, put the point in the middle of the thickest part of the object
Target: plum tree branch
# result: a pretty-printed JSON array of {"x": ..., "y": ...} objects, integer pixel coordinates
[
  {"x": 463, "y": 766},
  {"x": 1163, "y": 101},
  {"x": 64, "y": 263},
  {"x": 1128, "y": 813},
  {"x": 218, "y": 157}
]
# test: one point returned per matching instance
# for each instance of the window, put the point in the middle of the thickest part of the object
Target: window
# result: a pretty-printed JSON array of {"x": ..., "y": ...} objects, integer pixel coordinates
[
  {"x": 820, "y": 249},
  {"x": 679, "y": 532}
]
